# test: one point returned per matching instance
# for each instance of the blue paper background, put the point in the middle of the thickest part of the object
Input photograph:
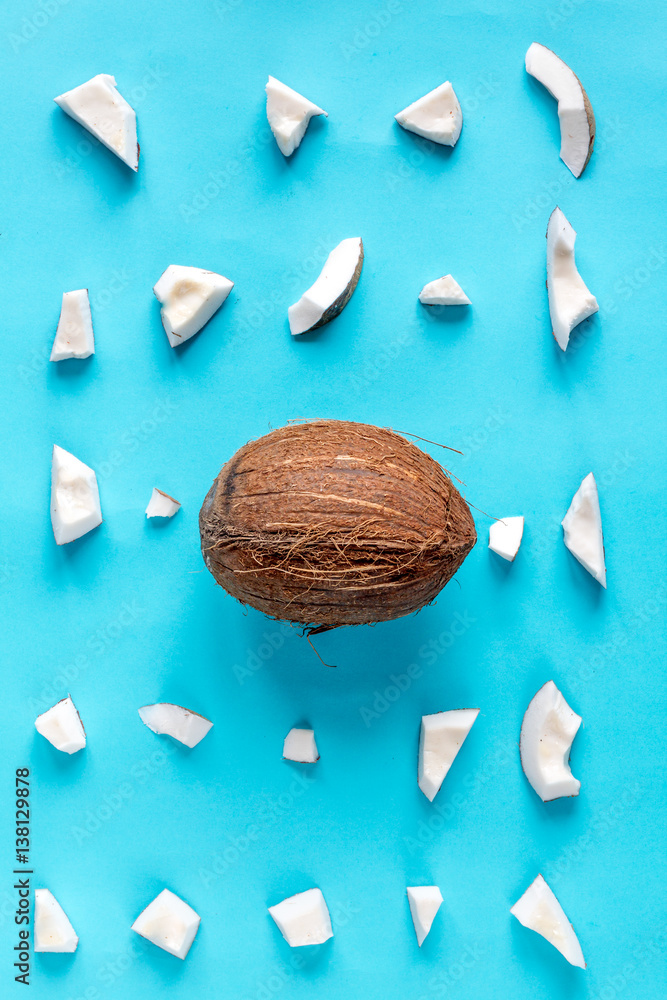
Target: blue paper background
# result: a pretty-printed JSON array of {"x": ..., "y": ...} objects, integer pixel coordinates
[{"x": 128, "y": 615}]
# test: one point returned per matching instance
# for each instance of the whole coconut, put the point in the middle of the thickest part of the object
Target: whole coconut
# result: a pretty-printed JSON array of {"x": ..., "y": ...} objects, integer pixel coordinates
[{"x": 332, "y": 523}]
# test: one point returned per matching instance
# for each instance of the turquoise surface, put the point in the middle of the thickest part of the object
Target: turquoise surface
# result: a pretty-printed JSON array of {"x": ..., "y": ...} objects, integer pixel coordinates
[{"x": 129, "y": 615}]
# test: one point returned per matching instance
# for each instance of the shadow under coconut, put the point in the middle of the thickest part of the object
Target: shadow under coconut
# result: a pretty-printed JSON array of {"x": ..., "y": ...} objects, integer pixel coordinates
[
  {"x": 420, "y": 150},
  {"x": 70, "y": 370},
  {"x": 454, "y": 319},
  {"x": 92, "y": 156}
]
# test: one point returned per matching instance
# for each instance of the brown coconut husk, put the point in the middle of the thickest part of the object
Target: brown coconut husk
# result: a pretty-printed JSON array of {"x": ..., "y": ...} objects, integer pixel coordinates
[{"x": 332, "y": 523}]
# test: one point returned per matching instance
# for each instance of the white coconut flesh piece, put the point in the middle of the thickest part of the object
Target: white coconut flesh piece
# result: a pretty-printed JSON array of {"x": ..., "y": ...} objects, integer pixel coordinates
[
  {"x": 436, "y": 116},
  {"x": 441, "y": 737},
  {"x": 161, "y": 504},
  {"x": 289, "y": 114},
  {"x": 75, "y": 498},
  {"x": 169, "y": 923},
  {"x": 582, "y": 530},
  {"x": 61, "y": 725},
  {"x": 99, "y": 107},
  {"x": 332, "y": 291},
  {"x": 505, "y": 537},
  {"x": 570, "y": 301},
  {"x": 180, "y": 723},
  {"x": 539, "y": 910},
  {"x": 53, "y": 931},
  {"x": 189, "y": 297},
  {"x": 74, "y": 336},
  {"x": 547, "y": 732},
  {"x": 425, "y": 901},
  {"x": 443, "y": 291},
  {"x": 300, "y": 746},
  {"x": 303, "y": 919},
  {"x": 575, "y": 114}
]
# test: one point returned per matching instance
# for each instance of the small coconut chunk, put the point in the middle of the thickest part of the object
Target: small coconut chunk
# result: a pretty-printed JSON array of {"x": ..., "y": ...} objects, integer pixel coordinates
[
  {"x": 505, "y": 537},
  {"x": 74, "y": 336},
  {"x": 442, "y": 736},
  {"x": 180, "y": 723},
  {"x": 539, "y": 910},
  {"x": 443, "y": 292},
  {"x": 332, "y": 291},
  {"x": 62, "y": 726},
  {"x": 300, "y": 746},
  {"x": 189, "y": 297},
  {"x": 436, "y": 116},
  {"x": 425, "y": 901},
  {"x": 582, "y": 527},
  {"x": 289, "y": 114},
  {"x": 575, "y": 114},
  {"x": 570, "y": 301},
  {"x": 303, "y": 919},
  {"x": 169, "y": 923},
  {"x": 161, "y": 505},
  {"x": 547, "y": 732},
  {"x": 75, "y": 499},
  {"x": 99, "y": 107},
  {"x": 53, "y": 931}
]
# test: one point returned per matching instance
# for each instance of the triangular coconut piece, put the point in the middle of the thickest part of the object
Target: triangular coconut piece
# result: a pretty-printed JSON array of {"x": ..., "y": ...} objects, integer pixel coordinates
[
  {"x": 570, "y": 301},
  {"x": 99, "y": 107},
  {"x": 190, "y": 296},
  {"x": 289, "y": 114},
  {"x": 441, "y": 737},
  {"x": 582, "y": 527},
  {"x": 443, "y": 291},
  {"x": 425, "y": 901},
  {"x": 180, "y": 723},
  {"x": 577, "y": 121},
  {"x": 53, "y": 931},
  {"x": 539, "y": 910},
  {"x": 436, "y": 116},
  {"x": 74, "y": 336},
  {"x": 161, "y": 504}
]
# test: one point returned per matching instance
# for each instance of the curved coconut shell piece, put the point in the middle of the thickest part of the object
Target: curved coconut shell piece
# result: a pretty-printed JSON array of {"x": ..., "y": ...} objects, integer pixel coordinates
[{"x": 333, "y": 523}]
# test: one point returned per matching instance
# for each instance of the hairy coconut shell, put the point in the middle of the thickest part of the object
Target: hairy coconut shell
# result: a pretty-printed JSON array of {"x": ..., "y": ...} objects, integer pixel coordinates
[{"x": 332, "y": 523}]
